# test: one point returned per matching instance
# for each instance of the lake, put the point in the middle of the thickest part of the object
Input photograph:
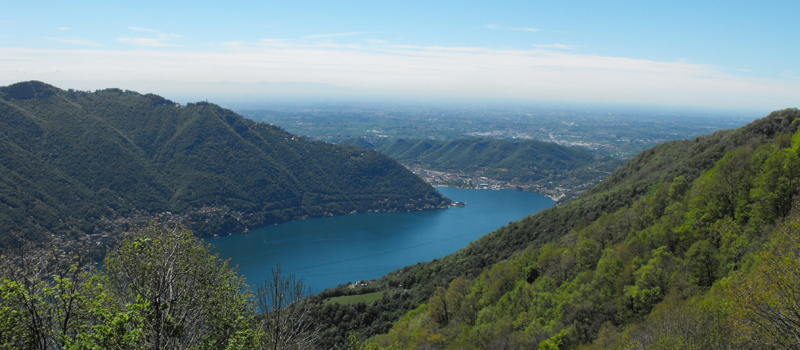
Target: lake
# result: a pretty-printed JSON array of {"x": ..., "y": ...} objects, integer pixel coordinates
[{"x": 330, "y": 251}]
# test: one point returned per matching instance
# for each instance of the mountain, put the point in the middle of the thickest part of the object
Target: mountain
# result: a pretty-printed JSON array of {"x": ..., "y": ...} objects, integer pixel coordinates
[
  {"x": 530, "y": 164},
  {"x": 75, "y": 162},
  {"x": 691, "y": 244},
  {"x": 505, "y": 160}
]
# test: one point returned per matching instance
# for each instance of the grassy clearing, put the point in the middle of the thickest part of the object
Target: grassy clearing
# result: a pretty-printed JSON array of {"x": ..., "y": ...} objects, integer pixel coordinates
[{"x": 354, "y": 299}]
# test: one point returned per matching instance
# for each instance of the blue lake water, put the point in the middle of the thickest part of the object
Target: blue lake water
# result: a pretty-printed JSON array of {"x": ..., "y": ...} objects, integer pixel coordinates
[{"x": 327, "y": 252}]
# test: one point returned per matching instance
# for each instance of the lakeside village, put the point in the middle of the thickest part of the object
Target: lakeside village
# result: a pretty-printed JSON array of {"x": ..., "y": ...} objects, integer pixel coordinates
[{"x": 558, "y": 192}]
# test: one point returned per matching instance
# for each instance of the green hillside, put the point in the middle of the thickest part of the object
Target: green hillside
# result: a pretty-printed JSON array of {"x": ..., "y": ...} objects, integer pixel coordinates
[
  {"x": 544, "y": 167},
  {"x": 75, "y": 162},
  {"x": 696, "y": 260},
  {"x": 577, "y": 273},
  {"x": 505, "y": 160}
]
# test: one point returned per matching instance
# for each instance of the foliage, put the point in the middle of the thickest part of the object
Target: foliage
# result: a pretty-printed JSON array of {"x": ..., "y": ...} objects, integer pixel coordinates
[
  {"x": 181, "y": 295},
  {"x": 337, "y": 321},
  {"x": 640, "y": 208},
  {"x": 684, "y": 265},
  {"x": 77, "y": 163},
  {"x": 768, "y": 294},
  {"x": 355, "y": 299},
  {"x": 44, "y": 295},
  {"x": 160, "y": 289}
]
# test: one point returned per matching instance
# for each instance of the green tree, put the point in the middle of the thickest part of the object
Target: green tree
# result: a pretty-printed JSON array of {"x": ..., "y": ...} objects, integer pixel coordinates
[
  {"x": 42, "y": 296},
  {"x": 439, "y": 308},
  {"x": 179, "y": 295},
  {"x": 774, "y": 188},
  {"x": 703, "y": 260},
  {"x": 768, "y": 298}
]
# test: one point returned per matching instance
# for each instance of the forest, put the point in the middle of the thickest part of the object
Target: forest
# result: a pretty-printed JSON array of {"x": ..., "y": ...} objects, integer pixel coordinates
[
  {"x": 706, "y": 261},
  {"x": 673, "y": 228},
  {"x": 160, "y": 288},
  {"x": 87, "y": 165}
]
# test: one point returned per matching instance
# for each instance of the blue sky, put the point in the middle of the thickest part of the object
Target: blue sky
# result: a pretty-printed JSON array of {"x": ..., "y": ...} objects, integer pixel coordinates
[{"x": 676, "y": 53}]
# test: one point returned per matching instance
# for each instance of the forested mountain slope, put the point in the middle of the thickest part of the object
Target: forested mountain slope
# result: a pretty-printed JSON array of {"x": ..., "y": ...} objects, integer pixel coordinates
[
  {"x": 500, "y": 159},
  {"x": 79, "y": 162},
  {"x": 534, "y": 165},
  {"x": 692, "y": 245},
  {"x": 610, "y": 211}
]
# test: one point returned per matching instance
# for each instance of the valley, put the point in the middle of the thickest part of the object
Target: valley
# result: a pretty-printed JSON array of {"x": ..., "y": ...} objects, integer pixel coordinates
[
  {"x": 558, "y": 152},
  {"x": 616, "y": 131},
  {"x": 384, "y": 175},
  {"x": 698, "y": 225},
  {"x": 328, "y": 252}
]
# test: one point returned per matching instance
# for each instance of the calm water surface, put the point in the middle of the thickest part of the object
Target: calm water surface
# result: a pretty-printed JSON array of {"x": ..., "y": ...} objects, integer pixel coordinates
[{"x": 327, "y": 252}]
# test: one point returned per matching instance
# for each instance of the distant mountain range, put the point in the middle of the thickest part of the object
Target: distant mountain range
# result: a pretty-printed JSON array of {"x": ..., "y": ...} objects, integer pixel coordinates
[{"x": 89, "y": 162}]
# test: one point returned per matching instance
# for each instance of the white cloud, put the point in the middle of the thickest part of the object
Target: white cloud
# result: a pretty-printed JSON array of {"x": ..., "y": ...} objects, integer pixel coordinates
[
  {"x": 556, "y": 46},
  {"x": 789, "y": 74},
  {"x": 75, "y": 41},
  {"x": 167, "y": 36},
  {"x": 436, "y": 48},
  {"x": 138, "y": 41},
  {"x": 516, "y": 29},
  {"x": 334, "y": 35},
  {"x": 159, "y": 39},
  {"x": 140, "y": 29},
  {"x": 403, "y": 70}
]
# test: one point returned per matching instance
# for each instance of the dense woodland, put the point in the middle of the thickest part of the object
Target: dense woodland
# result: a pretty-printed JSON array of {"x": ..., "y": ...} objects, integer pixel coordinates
[
  {"x": 75, "y": 163},
  {"x": 691, "y": 245},
  {"x": 732, "y": 187}
]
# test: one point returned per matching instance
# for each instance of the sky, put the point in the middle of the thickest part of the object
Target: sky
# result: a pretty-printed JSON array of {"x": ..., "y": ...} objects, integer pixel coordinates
[{"x": 709, "y": 54}]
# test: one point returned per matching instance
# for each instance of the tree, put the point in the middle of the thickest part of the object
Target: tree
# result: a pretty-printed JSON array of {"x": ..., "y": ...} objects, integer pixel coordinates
[
  {"x": 179, "y": 294},
  {"x": 286, "y": 322},
  {"x": 703, "y": 260},
  {"x": 42, "y": 295},
  {"x": 440, "y": 308},
  {"x": 769, "y": 298}
]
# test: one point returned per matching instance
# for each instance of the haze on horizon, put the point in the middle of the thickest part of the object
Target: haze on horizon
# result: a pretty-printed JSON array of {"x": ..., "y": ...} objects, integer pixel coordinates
[{"x": 710, "y": 54}]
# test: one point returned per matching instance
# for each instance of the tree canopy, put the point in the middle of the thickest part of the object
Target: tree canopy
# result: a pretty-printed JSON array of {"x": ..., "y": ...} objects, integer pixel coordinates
[
  {"x": 706, "y": 261},
  {"x": 161, "y": 288},
  {"x": 74, "y": 163},
  {"x": 673, "y": 224}
]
